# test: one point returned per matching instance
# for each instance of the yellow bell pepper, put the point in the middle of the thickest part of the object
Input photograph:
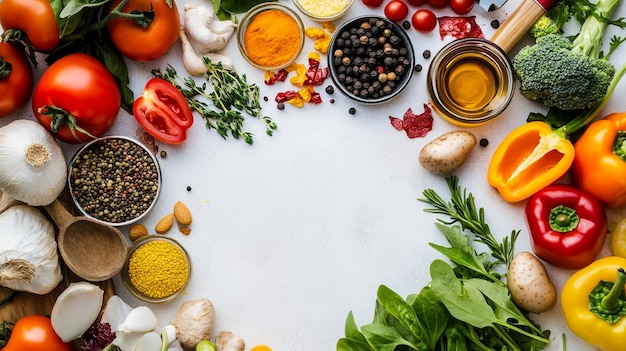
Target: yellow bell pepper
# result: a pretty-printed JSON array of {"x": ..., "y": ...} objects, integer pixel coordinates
[
  {"x": 597, "y": 287},
  {"x": 531, "y": 157}
]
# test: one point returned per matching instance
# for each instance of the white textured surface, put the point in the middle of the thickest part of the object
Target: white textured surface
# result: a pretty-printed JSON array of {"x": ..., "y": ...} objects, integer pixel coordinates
[{"x": 292, "y": 233}]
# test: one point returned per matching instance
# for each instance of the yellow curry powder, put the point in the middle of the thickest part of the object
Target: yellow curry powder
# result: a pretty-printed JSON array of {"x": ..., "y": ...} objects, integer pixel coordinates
[
  {"x": 272, "y": 38},
  {"x": 158, "y": 269}
]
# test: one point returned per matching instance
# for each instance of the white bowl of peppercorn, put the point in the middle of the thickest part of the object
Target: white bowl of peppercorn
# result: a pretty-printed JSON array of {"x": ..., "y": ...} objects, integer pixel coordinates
[
  {"x": 371, "y": 59},
  {"x": 114, "y": 180}
]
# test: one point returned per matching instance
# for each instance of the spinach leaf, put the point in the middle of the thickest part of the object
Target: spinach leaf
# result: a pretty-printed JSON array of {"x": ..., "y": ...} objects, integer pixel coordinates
[
  {"x": 386, "y": 338},
  {"x": 397, "y": 307},
  {"x": 354, "y": 339},
  {"x": 431, "y": 313}
]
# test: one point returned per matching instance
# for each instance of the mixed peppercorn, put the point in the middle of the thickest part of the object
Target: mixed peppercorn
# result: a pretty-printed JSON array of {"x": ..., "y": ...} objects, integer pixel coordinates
[
  {"x": 114, "y": 180},
  {"x": 370, "y": 59}
]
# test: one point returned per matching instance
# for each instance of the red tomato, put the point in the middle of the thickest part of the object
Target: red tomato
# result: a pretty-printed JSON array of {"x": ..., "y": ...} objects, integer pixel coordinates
[
  {"x": 461, "y": 7},
  {"x": 16, "y": 79},
  {"x": 76, "y": 89},
  {"x": 438, "y": 4},
  {"x": 424, "y": 20},
  {"x": 417, "y": 2},
  {"x": 396, "y": 10},
  {"x": 372, "y": 3},
  {"x": 163, "y": 112},
  {"x": 33, "y": 17},
  {"x": 145, "y": 44},
  {"x": 35, "y": 333}
]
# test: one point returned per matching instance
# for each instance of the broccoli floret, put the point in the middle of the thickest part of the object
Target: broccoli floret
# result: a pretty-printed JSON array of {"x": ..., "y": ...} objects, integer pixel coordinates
[
  {"x": 544, "y": 26},
  {"x": 551, "y": 72},
  {"x": 565, "y": 74}
]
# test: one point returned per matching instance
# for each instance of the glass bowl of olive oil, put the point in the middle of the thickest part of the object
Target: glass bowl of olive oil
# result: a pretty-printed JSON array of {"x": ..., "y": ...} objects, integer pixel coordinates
[{"x": 470, "y": 82}]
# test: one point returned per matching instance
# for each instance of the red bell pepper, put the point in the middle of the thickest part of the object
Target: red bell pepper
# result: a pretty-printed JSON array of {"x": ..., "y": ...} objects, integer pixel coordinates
[{"x": 567, "y": 226}]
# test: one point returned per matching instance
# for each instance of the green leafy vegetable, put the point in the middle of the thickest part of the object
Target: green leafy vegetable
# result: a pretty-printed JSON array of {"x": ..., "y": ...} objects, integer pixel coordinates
[
  {"x": 466, "y": 306},
  {"x": 227, "y": 9}
]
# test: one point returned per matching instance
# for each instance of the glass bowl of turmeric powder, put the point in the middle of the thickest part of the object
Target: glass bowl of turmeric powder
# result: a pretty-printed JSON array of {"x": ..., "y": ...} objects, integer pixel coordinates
[
  {"x": 270, "y": 36},
  {"x": 323, "y": 10},
  {"x": 157, "y": 269}
]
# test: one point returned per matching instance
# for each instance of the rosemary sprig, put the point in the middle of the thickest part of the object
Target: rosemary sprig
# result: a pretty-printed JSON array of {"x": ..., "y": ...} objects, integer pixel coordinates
[
  {"x": 230, "y": 95},
  {"x": 462, "y": 210}
]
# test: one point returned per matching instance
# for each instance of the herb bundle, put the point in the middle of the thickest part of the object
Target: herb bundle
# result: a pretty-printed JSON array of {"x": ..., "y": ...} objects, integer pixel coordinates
[
  {"x": 230, "y": 95},
  {"x": 466, "y": 306}
]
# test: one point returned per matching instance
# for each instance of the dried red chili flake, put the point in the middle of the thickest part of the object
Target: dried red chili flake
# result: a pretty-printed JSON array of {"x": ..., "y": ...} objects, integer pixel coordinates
[
  {"x": 459, "y": 27},
  {"x": 279, "y": 76},
  {"x": 414, "y": 125},
  {"x": 316, "y": 98},
  {"x": 285, "y": 96},
  {"x": 315, "y": 75}
]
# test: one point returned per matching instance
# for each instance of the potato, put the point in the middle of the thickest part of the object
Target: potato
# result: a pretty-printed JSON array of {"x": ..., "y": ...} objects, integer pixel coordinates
[
  {"x": 447, "y": 152},
  {"x": 529, "y": 283}
]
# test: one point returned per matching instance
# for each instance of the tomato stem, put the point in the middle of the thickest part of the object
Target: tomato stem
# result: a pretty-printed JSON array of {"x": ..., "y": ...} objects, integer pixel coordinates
[
  {"x": 62, "y": 118},
  {"x": 5, "y": 68}
]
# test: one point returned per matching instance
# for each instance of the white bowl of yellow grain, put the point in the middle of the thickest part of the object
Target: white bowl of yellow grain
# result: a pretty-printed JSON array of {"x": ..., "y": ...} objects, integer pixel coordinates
[{"x": 323, "y": 10}]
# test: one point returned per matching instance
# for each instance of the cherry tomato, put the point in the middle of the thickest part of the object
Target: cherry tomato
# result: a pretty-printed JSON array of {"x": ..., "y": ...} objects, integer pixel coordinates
[
  {"x": 396, "y": 10},
  {"x": 16, "y": 79},
  {"x": 163, "y": 112},
  {"x": 33, "y": 17},
  {"x": 372, "y": 3},
  {"x": 417, "y": 2},
  {"x": 461, "y": 7},
  {"x": 145, "y": 44},
  {"x": 424, "y": 20},
  {"x": 35, "y": 333},
  {"x": 76, "y": 89},
  {"x": 438, "y": 4}
]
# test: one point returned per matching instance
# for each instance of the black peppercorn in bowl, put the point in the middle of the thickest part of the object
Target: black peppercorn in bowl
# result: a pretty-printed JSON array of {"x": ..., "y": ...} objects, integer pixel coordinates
[
  {"x": 115, "y": 180},
  {"x": 370, "y": 59}
]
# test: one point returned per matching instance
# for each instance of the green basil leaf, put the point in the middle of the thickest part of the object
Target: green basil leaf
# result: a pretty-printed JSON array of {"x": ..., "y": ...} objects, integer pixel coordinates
[
  {"x": 73, "y": 7},
  {"x": 240, "y": 6}
]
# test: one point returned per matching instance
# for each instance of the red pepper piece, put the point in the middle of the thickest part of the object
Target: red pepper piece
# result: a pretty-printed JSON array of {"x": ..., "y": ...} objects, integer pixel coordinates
[{"x": 567, "y": 226}]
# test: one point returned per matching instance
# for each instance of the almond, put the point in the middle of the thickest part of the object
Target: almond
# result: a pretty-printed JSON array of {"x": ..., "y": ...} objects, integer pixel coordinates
[
  {"x": 182, "y": 213},
  {"x": 165, "y": 224},
  {"x": 137, "y": 231}
]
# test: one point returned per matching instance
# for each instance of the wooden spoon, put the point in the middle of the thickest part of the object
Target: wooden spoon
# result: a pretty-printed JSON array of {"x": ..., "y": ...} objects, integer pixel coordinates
[{"x": 92, "y": 250}]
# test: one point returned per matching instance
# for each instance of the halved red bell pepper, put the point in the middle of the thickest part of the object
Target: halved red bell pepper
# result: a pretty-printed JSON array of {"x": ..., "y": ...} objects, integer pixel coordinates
[
  {"x": 599, "y": 165},
  {"x": 567, "y": 226}
]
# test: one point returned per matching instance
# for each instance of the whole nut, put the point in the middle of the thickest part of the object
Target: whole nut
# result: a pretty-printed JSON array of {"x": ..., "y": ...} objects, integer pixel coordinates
[
  {"x": 165, "y": 224},
  {"x": 137, "y": 231},
  {"x": 182, "y": 213}
]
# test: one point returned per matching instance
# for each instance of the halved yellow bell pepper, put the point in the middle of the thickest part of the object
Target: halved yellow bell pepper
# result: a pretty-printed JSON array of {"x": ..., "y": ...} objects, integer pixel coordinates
[
  {"x": 530, "y": 157},
  {"x": 599, "y": 287}
]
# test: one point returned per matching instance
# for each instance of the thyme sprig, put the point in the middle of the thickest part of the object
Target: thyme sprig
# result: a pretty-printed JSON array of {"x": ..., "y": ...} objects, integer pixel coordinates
[
  {"x": 230, "y": 96},
  {"x": 462, "y": 210}
]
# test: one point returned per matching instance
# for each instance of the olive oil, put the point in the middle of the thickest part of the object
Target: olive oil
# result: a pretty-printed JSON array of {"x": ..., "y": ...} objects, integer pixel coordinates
[{"x": 470, "y": 82}]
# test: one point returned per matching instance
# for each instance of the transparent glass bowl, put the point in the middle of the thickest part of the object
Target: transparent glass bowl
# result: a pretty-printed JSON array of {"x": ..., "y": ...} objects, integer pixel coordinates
[
  {"x": 470, "y": 82},
  {"x": 323, "y": 15},
  {"x": 247, "y": 20},
  {"x": 125, "y": 275},
  {"x": 101, "y": 175}
]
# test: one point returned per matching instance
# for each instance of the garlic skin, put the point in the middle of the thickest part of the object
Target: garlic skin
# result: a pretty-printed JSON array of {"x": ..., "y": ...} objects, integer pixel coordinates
[
  {"x": 193, "y": 63},
  {"x": 29, "y": 259},
  {"x": 205, "y": 32},
  {"x": 33, "y": 165}
]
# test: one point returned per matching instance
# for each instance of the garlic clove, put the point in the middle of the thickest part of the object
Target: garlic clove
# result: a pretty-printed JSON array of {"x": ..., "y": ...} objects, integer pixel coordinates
[
  {"x": 205, "y": 32},
  {"x": 140, "y": 319},
  {"x": 75, "y": 310}
]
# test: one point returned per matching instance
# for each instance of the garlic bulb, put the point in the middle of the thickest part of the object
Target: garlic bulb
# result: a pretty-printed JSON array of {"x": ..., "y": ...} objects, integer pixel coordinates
[
  {"x": 207, "y": 33},
  {"x": 33, "y": 165},
  {"x": 28, "y": 256}
]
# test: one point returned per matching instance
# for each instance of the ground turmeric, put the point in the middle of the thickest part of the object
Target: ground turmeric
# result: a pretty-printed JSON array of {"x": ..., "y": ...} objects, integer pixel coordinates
[{"x": 272, "y": 38}]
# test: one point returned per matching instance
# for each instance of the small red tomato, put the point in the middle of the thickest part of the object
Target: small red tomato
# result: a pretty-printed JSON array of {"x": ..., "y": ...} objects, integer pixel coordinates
[
  {"x": 35, "y": 332},
  {"x": 417, "y": 2},
  {"x": 16, "y": 79},
  {"x": 438, "y": 4},
  {"x": 163, "y": 112},
  {"x": 424, "y": 20},
  {"x": 372, "y": 3},
  {"x": 461, "y": 7},
  {"x": 396, "y": 10}
]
